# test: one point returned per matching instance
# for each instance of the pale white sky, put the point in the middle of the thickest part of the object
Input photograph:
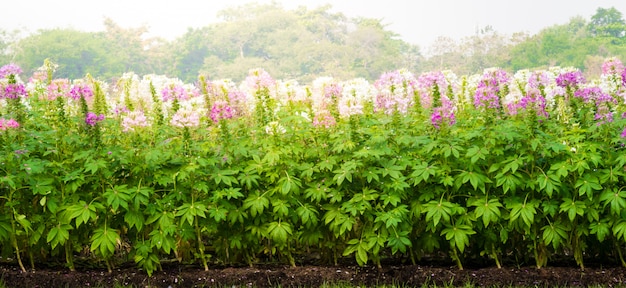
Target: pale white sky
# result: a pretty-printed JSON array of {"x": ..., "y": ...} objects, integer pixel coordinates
[{"x": 416, "y": 21}]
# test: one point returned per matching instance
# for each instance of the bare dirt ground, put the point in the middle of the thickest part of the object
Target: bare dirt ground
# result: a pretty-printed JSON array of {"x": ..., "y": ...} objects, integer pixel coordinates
[{"x": 314, "y": 276}]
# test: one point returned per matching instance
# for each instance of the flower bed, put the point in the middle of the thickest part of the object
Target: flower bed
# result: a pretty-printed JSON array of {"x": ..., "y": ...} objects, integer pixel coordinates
[{"x": 518, "y": 166}]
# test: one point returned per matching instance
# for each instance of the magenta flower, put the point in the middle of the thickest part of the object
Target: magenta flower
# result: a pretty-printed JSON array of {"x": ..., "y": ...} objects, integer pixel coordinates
[
  {"x": 92, "y": 119},
  {"x": 489, "y": 88},
  {"x": 533, "y": 101},
  {"x": 428, "y": 83},
  {"x": 623, "y": 133},
  {"x": 177, "y": 91},
  {"x": 221, "y": 110},
  {"x": 10, "y": 69},
  {"x": 13, "y": 91},
  {"x": 8, "y": 124},
  {"x": 570, "y": 79},
  {"x": 81, "y": 90},
  {"x": 444, "y": 114}
]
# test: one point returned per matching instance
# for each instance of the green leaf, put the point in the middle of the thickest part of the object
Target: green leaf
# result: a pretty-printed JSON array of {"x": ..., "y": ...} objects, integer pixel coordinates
[
  {"x": 104, "y": 240},
  {"x": 279, "y": 231},
  {"x": 117, "y": 196},
  {"x": 226, "y": 177},
  {"x": 526, "y": 211},
  {"x": 572, "y": 208},
  {"x": 489, "y": 210},
  {"x": 399, "y": 242},
  {"x": 614, "y": 199},
  {"x": 256, "y": 203},
  {"x": 134, "y": 218},
  {"x": 308, "y": 215},
  {"x": 458, "y": 235},
  {"x": 58, "y": 234},
  {"x": 601, "y": 229},
  {"x": 587, "y": 184},
  {"x": 436, "y": 211},
  {"x": 555, "y": 234}
]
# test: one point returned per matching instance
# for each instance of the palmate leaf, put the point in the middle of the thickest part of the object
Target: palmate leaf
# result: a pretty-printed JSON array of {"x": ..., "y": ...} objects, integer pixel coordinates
[
  {"x": 572, "y": 208},
  {"x": 615, "y": 200},
  {"x": 587, "y": 184},
  {"x": 526, "y": 211},
  {"x": 619, "y": 229},
  {"x": 458, "y": 235},
  {"x": 58, "y": 234},
  {"x": 601, "y": 229},
  {"x": 104, "y": 240},
  {"x": 256, "y": 203},
  {"x": 399, "y": 242},
  {"x": 436, "y": 211},
  {"x": 549, "y": 183},
  {"x": 489, "y": 210},
  {"x": 555, "y": 234},
  {"x": 279, "y": 231}
]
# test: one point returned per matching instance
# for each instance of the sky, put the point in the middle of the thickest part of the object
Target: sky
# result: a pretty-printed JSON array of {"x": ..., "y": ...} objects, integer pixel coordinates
[{"x": 418, "y": 22}]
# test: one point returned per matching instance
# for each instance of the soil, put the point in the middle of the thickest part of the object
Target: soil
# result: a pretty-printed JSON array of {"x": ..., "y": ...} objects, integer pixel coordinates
[{"x": 315, "y": 276}]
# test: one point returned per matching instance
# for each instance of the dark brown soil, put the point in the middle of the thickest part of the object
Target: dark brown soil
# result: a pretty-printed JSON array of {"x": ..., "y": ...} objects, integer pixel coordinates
[{"x": 315, "y": 276}]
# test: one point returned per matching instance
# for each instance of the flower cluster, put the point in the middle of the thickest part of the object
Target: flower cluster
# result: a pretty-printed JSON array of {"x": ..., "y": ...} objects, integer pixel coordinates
[
  {"x": 58, "y": 88},
  {"x": 395, "y": 92},
  {"x": 493, "y": 83},
  {"x": 443, "y": 114},
  {"x": 221, "y": 110},
  {"x": 353, "y": 97},
  {"x": 92, "y": 119},
  {"x": 612, "y": 66},
  {"x": 259, "y": 79},
  {"x": 570, "y": 79},
  {"x": 12, "y": 90},
  {"x": 8, "y": 124},
  {"x": 186, "y": 118},
  {"x": 432, "y": 85},
  {"x": 323, "y": 118},
  {"x": 134, "y": 119},
  {"x": 81, "y": 90},
  {"x": 10, "y": 69}
]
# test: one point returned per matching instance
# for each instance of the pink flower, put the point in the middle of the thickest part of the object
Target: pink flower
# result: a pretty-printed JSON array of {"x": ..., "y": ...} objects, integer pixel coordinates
[
  {"x": 444, "y": 114},
  {"x": 258, "y": 79},
  {"x": 612, "y": 66},
  {"x": 10, "y": 69},
  {"x": 221, "y": 110},
  {"x": 58, "y": 88},
  {"x": 134, "y": 120},
  {"x": 624, "y": 133},
  {"x": 186, "y": 118},
  {"x": 323, "y": 118},
  {"x": 8, "y": 124}
]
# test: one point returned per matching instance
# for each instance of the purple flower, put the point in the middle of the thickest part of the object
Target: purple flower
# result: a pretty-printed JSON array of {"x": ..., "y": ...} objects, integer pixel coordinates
[
  {"x": 623, "y": 133},
  {"x": 444, "y": 114},
  {"x": 92, "y": 119},
  {"x": 81, "y": 90},
  {"x": 221, "y": 110},
  {"x": 13, "y": 91},
  {"x": 10, "y": 69},
  {"x": 489, "y": 88},
  {"x": 570, "y": 79}
]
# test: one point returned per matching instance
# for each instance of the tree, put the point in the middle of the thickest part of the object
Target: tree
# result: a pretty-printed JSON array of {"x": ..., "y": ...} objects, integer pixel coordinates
[{"x": 608, "y": 22}]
